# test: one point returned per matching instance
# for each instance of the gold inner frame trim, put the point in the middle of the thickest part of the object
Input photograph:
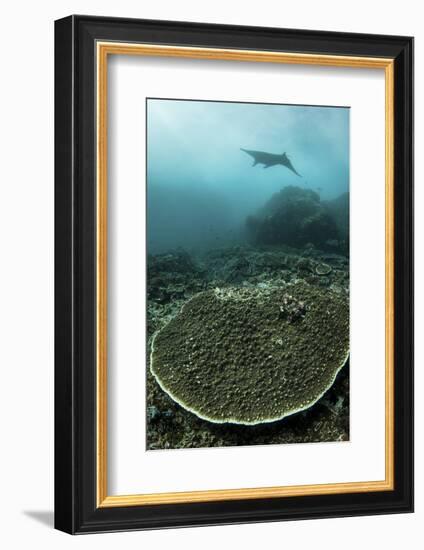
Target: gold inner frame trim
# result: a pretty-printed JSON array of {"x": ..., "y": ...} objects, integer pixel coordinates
[{"x": 103, "y": 50}]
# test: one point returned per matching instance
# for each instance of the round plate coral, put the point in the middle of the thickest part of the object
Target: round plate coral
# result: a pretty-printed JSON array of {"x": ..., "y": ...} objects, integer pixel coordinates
[{"x": 248, "y": 355}]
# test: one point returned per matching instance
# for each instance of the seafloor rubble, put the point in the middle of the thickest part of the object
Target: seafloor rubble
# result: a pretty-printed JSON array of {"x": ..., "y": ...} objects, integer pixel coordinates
[{"x": 176, "y": 277}]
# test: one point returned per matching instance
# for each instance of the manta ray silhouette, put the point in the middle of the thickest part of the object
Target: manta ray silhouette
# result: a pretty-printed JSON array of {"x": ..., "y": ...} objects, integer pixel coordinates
[{"x": 270, "y": 159}]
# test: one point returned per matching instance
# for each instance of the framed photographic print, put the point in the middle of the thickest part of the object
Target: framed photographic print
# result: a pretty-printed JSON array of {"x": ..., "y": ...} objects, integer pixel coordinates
[{"x": 233, "y": 272}]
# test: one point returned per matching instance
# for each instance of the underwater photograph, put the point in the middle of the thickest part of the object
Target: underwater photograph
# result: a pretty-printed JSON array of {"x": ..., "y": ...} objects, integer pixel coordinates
[{"x": 247, "y": 274}]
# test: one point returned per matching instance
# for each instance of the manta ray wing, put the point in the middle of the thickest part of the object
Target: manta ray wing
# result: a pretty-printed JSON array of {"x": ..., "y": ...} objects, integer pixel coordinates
[
  {"x": 253, "y": 154},
  {"x": 287, "y": 163}
]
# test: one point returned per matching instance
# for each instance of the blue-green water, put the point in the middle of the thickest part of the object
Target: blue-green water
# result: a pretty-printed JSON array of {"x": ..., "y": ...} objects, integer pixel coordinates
[{"x": 201, "y": 186}]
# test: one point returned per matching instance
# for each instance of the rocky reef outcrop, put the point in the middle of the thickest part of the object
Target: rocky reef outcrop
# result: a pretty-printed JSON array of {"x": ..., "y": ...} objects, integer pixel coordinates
[
  {"x": 338, "y": 209},
  {"x": 295, "y": 217}
]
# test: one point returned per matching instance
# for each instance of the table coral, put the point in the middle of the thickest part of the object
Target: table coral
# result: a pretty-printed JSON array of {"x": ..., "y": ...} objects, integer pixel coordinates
[{"x": 235, "y": 355}]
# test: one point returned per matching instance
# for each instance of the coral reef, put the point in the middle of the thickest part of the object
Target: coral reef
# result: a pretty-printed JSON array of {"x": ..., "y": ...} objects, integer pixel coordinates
[
  {"x": 294, "y": 217},
  {"x": 172, "y": 275},
  {"x": 338, "y": 208},
  {"x": 252, "y": 355},
  {"x": 173, "y": 427},
  {"x": 169, "y": 425}
]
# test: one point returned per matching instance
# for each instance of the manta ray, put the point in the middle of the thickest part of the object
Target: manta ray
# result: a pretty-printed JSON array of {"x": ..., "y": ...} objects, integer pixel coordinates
[{"x": 270, "y": 159}]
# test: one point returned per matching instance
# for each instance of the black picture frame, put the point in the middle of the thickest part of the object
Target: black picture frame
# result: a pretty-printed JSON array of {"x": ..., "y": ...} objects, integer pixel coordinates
[{"x": 76, "y": 509}]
